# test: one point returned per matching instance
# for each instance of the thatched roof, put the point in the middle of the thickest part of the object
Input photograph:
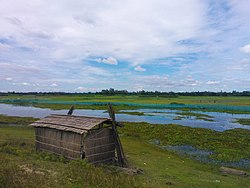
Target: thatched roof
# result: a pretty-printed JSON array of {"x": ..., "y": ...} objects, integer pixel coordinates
[{"x": 78, "y": 124}]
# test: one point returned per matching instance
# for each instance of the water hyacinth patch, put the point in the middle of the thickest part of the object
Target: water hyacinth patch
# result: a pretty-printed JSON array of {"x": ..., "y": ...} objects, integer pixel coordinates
[{"x": 224, "y": 146}]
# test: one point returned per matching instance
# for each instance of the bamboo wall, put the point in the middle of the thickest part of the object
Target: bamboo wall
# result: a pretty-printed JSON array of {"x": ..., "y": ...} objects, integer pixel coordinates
[
  {"x": 99, "y": 146},
  {"x": 67, "y": 144}
]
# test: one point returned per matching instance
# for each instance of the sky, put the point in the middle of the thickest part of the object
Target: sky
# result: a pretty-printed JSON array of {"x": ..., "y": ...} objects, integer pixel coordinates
[{"x": 163, "y": 45}]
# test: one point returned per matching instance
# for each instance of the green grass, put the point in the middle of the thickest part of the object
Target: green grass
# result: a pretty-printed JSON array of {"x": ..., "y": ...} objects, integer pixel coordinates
[
  {"x": 238, "y": 101},
  {"x": 230, "y": 145},
  {"x": 12, "y": 120},
  {"x": 21, "y": 166},
  {"x": 211, "y": 100},
  {"x": 243, "y": 121},
  {"x": 165, "y": 169}
]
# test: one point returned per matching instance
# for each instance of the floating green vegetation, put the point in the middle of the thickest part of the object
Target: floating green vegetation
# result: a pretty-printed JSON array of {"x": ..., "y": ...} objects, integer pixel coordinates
[
  {"x": 226, "y": 146},
  {"x": 131, "y": 113},
  {"x": 176, "y": 103},
  {"x": 243, "y": 121},
  {"x": 198, "y": 116},
  {"x": 178, "y": 118},
  {"x": 215, "y": 110},
  {"x": 204, "y": 119},
  {"x": 185, "y": 113}
]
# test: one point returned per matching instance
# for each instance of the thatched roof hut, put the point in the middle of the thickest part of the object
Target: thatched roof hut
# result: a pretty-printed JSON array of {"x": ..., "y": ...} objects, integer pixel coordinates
[{"x": 92, "y": 138}]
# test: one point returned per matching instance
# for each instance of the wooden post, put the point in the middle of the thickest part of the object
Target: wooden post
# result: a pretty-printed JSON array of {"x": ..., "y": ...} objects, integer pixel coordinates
[
  {"x": 70, "y": 112},
  {"x": 120, "y": 154}
]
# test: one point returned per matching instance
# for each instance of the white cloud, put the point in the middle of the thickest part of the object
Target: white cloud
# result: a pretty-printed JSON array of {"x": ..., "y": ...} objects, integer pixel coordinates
[
  {"x": 18, "y": 68},
  {"x": 26, "y": 84},
  {"x": 58, "y": 44},
  {"x": 54, "y": 85},
  {"x": 96, "y": 28},
  {"x": 80, "y": 88},
  {"x": 212, "y": 82},
  {"x": 4, "y": 46},
  {"x": 90, "y": 70},
  {"x": 109, "y": 60},
  {"x": 8, "y": 79},
  {"x": 139, "y": 69},
  {"x": 245, "y": 49},
  {"x": 87, "y": 89}
]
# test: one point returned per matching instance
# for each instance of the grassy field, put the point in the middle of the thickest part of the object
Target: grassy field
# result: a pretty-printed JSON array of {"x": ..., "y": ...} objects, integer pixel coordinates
[
  {"x": 57, "y": 102},
  {"x": 21, "y": 166},
  {"x": 238, "y": 101},
  {"x": 226, "y": 146}
]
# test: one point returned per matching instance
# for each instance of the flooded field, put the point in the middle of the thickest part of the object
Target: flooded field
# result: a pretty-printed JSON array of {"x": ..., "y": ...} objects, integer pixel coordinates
[
  {"x": 203, "y": 156},
  {"x": 211, "y": 120}
]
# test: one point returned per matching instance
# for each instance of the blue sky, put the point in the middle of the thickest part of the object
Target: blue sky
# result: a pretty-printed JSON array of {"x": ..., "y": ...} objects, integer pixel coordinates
[{"x": 79, "y": 46}]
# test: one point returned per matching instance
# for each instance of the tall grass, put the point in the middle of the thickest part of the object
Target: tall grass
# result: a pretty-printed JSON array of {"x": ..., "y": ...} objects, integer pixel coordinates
[
  {"x": 16, "y": 174},
  {"x": 22, "y": 166}
]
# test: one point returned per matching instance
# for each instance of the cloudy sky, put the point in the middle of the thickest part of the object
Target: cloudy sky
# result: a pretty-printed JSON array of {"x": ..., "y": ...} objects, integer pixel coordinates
[{"x": 89, "y": 45}]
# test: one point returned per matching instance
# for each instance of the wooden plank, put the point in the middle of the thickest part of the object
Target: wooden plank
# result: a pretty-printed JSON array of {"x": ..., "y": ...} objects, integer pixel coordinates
[{"x": 120, "y": 153}]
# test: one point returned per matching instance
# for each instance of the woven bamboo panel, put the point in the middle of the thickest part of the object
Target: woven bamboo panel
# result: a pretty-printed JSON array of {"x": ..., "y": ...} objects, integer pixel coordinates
[
  {"x": 99, "y": 145},
  {"x": 71, "y": 141},
  {"x": 107, "y": 156},
  {"x": 67, "y": 144}
]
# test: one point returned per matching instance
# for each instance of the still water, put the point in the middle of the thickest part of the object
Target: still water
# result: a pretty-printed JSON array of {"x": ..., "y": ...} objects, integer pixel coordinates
[{"x": 219, "y": 121}]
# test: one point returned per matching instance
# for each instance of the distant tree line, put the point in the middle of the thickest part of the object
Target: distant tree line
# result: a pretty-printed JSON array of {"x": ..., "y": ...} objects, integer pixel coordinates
[{"x": 112, "y": 91}]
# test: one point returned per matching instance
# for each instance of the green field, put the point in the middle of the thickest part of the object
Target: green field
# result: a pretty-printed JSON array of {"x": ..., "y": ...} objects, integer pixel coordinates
[
  {"x": 238, "y": 101},
  {"x": 21, "y": 166},
  {"x": 56, "y": 102}
]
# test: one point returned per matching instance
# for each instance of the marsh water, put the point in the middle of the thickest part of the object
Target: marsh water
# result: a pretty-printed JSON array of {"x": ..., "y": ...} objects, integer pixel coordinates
[
  {"x": 218, "y": 121},
  {"x": 213, "y": 120},
  {"x": 204, "y": 156}
]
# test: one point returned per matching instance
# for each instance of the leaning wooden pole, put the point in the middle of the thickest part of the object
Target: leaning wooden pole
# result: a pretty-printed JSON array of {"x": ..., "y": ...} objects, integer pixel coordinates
[
  {"x": 70, "y": 112},
  {"x": 120, "y": 154}
]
